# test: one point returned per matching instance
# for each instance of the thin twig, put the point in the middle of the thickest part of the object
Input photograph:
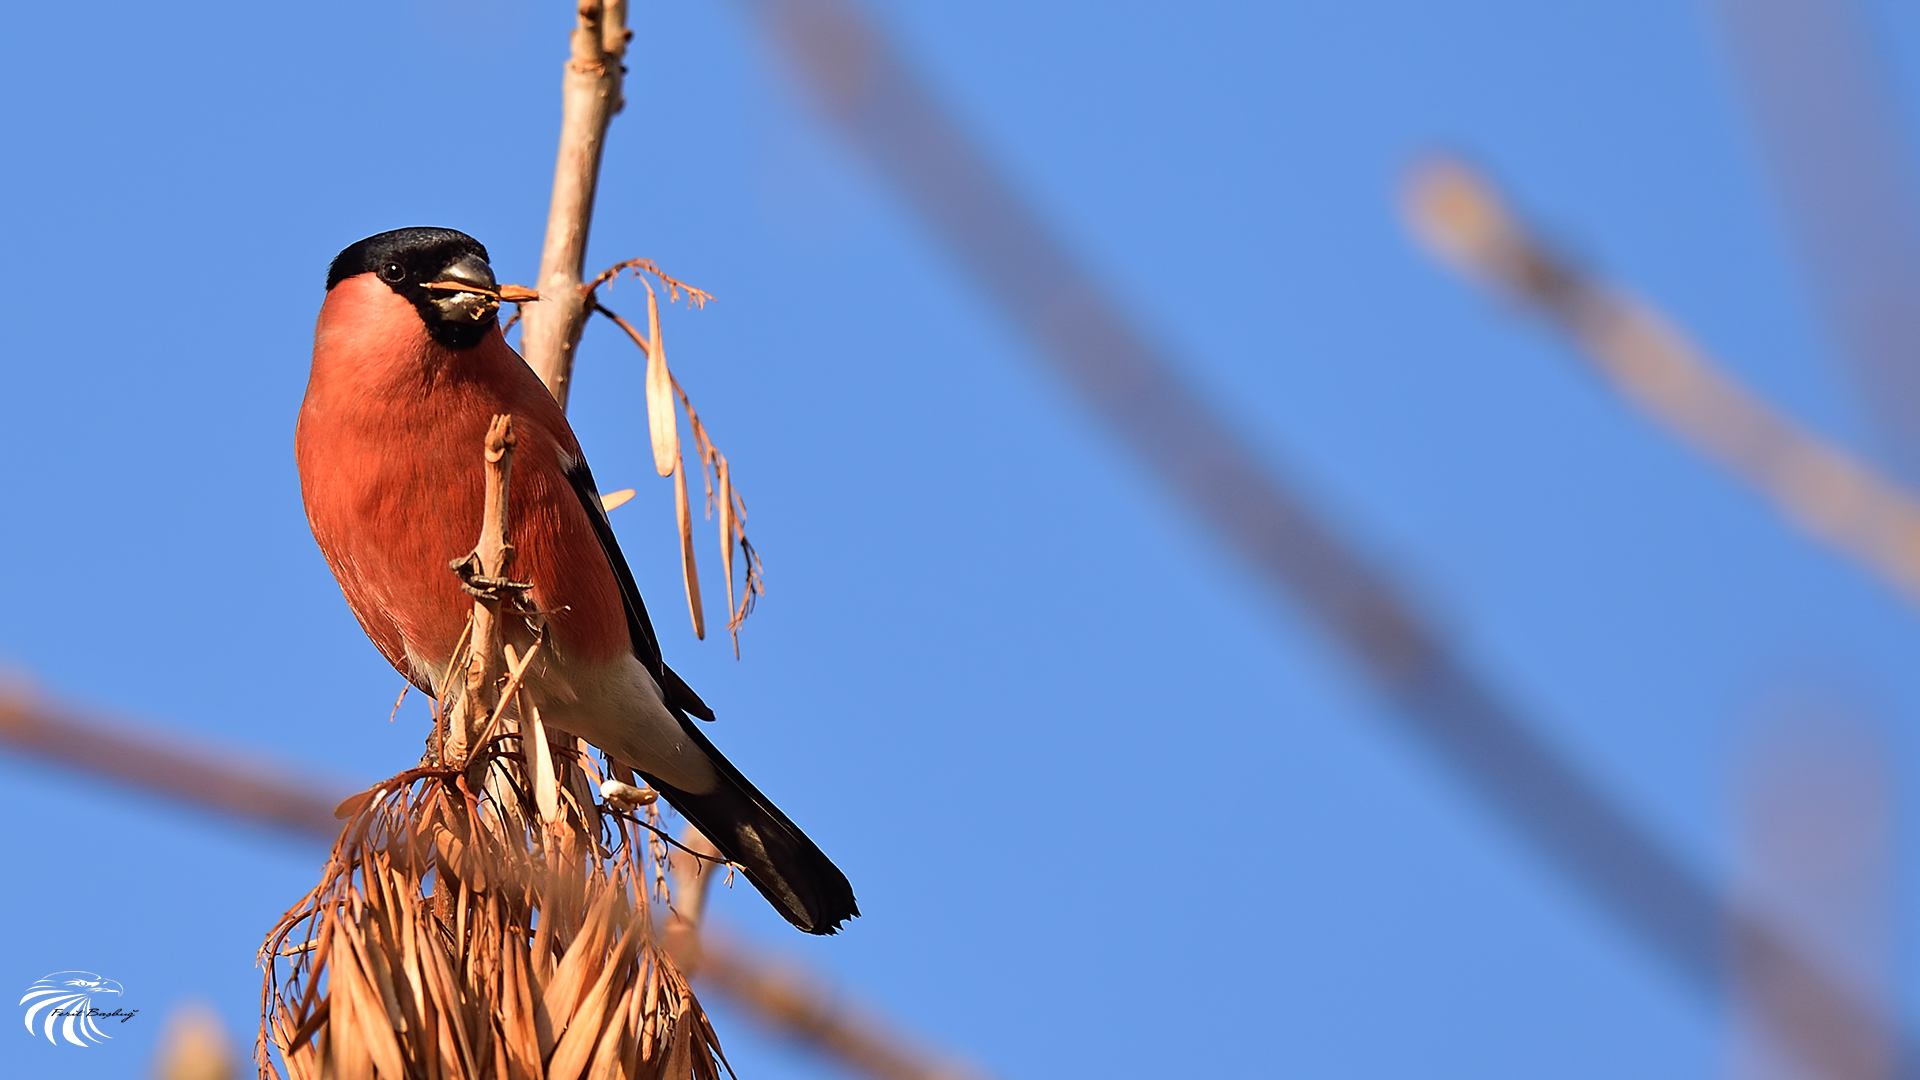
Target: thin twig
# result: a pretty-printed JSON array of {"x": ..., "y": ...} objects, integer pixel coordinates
[
  {"x": 628, "y": 815},
  {"x": 646, "y": 347},
  {"x": 516, "y": 672},
  {"x": 697, "y": 297},
  {"x": 690, "y": 883},
  {"x": 441, "y": 717},
  {"x": 490, "y": 563}
]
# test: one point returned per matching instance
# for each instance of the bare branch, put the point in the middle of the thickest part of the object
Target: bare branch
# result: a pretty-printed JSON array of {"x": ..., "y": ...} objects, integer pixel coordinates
[{"x": 590, "y": 96}]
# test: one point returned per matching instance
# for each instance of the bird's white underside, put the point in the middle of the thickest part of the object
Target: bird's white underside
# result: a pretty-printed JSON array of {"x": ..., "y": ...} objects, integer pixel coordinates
[{"x": 616, "y": 706}]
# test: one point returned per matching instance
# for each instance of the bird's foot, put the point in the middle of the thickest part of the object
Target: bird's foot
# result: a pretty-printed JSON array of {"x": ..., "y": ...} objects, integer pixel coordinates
[{"x": 482, "y": 587}]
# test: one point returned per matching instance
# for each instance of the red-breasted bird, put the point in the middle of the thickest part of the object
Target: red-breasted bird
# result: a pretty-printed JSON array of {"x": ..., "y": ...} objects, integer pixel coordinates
[{"x": 405, "y": 381}]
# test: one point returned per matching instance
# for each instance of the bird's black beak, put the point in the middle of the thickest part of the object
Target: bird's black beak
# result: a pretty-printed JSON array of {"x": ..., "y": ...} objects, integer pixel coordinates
[{"x": 459, "y": 307}]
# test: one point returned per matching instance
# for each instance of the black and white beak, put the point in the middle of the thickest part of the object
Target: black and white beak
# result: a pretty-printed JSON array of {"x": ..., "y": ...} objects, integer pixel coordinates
[{"x": 476, "y": 306}]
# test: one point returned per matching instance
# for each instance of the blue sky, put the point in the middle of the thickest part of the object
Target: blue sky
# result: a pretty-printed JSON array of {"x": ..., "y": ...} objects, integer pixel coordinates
[{"x": 1109, "y": 810}]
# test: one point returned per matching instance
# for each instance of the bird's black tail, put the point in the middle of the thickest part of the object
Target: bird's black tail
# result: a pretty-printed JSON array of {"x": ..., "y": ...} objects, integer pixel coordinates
[{"x": 793, "y": 874}]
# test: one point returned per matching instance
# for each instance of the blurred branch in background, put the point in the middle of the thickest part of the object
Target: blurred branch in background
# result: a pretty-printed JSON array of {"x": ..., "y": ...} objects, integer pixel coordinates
[
  {"x": 1825, "y": 490},
  {"x": 195, "y": 1045},
  {"x": 870, "y": 91},
  {"x": 1831, "y": 135},
  {"x": 198, "y": 774},
  {"x": 783, "y": 997},
  {"x": 1815, "y": 816},
  {"x": 799, "y": 1006}
]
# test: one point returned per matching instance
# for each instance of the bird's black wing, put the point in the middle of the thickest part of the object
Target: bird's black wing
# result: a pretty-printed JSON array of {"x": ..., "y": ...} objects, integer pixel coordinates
[
  {"x": 677, "y": 694},
  {"x": 750, "y": 831}
]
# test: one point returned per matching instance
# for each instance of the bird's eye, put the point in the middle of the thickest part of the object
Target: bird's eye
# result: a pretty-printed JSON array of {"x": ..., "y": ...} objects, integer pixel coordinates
[{"x": 392, "y": 272}]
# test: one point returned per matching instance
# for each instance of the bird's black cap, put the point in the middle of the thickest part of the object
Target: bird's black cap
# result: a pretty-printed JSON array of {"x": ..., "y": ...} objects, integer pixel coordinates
[{"x": 407, "y": 259}]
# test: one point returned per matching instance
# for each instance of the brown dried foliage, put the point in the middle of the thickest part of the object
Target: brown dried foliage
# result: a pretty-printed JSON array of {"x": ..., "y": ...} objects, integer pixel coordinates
[
  {"x": 664, "y": 428},
  {"x": 455, "y": 935}
]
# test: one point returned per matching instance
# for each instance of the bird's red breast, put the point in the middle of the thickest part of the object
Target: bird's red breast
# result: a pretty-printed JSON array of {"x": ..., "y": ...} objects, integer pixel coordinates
[{"x": 389, "y": 446}]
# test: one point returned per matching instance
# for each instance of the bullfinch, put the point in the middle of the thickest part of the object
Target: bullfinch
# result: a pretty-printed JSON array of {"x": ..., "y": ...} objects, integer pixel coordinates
[{"x": 404, "y": 383}]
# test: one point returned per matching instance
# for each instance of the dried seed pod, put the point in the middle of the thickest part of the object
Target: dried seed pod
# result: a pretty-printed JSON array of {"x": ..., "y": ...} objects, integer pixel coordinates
[
  {"x": 661, "y": 420},
  {"x": 546, "y": 790},
  {"x": 663, "y": 429},
  {"x": 687, "y": 567},
  {"x": 725, "y": 499}
]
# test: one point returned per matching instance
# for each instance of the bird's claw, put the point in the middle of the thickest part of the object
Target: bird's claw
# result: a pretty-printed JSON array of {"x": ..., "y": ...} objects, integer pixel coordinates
[
  {"x": 497, "y": 590},
  {"x": 482, "y": 587}
]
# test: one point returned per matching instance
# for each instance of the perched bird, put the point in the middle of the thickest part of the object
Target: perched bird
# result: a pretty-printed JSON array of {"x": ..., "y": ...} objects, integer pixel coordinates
[{"x": 405, "y": 381}]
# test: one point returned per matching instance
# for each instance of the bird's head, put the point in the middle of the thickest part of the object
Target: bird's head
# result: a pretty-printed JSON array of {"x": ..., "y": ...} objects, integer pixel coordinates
[{"x": 408, "y": 261}]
